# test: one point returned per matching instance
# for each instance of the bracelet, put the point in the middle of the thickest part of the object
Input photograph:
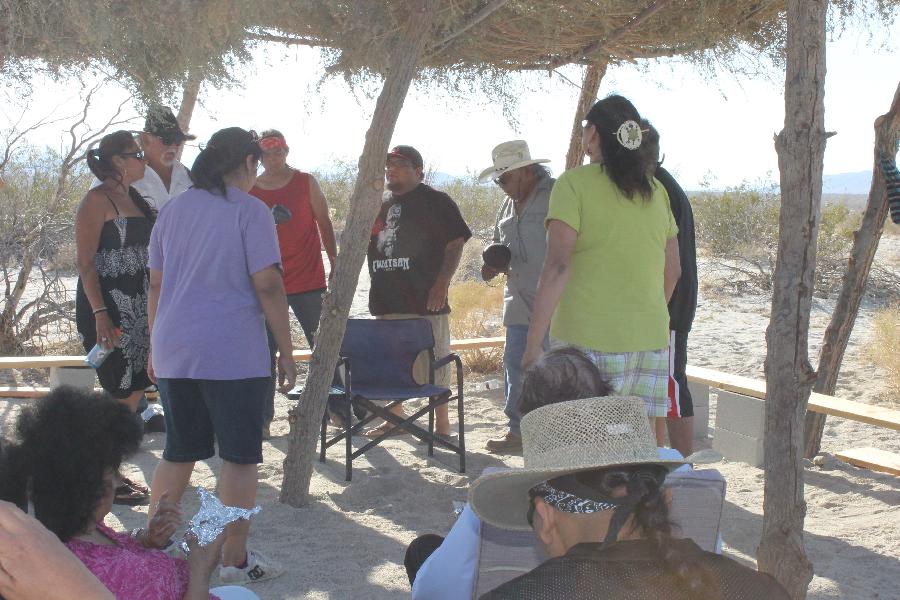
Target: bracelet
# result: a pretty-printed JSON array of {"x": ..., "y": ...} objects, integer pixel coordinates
[{"x": 101, "y": 309}]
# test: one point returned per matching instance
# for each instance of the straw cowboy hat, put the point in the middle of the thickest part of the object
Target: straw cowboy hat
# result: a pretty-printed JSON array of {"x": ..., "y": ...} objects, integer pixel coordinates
[
  {"x": 508, "y": 156},
  {"x": 563, "y": 438}
]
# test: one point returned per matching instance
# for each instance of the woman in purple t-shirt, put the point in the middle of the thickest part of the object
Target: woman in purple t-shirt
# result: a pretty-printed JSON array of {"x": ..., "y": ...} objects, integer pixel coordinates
[{"x": 215, "y": 279}]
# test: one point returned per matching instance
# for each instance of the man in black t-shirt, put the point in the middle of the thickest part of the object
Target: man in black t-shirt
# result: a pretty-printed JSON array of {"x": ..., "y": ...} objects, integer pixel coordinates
[
  {"x": 414, "y": 249},
  {"x": 682, "y": 305}
]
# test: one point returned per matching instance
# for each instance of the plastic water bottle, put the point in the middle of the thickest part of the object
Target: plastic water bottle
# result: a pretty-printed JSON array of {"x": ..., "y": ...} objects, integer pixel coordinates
[{"x": 98, "y": 354}]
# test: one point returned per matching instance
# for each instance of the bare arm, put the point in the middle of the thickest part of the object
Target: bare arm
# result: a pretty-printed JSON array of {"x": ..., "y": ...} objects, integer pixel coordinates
[
  {"x": 88, "y": 224},
  {"x": 673, "y": 267},
  {"x": 152, "y": 305},
  {"x": 323, "y": 220},
  {"x": 561, "y": 240},
  {"x": 437, "y": 296},
  {"x": 35, "y": 565},
  {"x": 269, "y": 288}
]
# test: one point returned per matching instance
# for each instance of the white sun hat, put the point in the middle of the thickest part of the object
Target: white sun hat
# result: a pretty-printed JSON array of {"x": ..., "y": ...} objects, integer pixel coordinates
[
  {"x": 508, "y": 156},
  {"x": 563, "y": 438}
]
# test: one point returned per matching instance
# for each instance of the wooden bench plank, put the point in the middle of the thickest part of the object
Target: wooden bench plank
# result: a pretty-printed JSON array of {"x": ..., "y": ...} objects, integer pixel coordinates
[
  {"x": 872, "y": 459},
  {"x": 820, "y": 403},
  {"x": 40, "y": 362},
  {"x": 46, "y": 362},
  {"x": 23, "y": 391}
]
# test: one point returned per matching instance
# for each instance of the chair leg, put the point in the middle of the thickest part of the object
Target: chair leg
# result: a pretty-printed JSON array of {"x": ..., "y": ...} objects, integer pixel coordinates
[
  {"x": 462, "y": 430},
  {"x": 323, "y": 435},
  {"x": 348, "y": 423},
  {"x": 431, "y": 427}
]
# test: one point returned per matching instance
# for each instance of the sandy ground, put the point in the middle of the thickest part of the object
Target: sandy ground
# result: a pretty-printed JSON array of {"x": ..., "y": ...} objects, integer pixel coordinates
[{"x": 349, "y": 542}]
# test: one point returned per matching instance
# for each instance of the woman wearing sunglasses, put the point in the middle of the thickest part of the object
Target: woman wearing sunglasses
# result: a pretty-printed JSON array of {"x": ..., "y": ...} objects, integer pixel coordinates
[{"x": 112, "y": 231}]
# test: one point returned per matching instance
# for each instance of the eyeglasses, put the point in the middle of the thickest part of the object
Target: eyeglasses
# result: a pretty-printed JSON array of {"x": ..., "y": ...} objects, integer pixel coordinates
[
  {"x": 503, "y": 179},
  {"x": 138, "y": 154}
]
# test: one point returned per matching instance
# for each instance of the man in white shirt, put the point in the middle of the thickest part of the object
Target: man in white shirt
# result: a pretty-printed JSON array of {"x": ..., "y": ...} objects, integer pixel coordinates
[{"x": 161, "y": 139}]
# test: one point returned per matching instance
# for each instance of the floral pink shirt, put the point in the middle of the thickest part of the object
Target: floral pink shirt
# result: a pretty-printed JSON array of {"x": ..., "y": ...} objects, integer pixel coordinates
[{"x": 131, "y": 571}]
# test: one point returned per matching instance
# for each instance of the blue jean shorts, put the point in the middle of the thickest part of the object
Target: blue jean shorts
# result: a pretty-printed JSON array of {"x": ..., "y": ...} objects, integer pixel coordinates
[{"x": 202, "y": 412}]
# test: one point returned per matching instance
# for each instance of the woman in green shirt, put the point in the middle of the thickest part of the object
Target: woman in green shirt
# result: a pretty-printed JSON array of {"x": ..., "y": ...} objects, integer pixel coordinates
[{"x": 612, "y": 261}]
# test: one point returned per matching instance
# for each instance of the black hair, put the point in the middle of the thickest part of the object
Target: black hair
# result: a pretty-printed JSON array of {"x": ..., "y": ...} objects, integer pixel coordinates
[
  {"x": 65, "y": 445},
  {"x": 99, "y": 161},
  {"x": 627, "y": 168},
  {"x": 560, "y": 375},
  {"x": 650, "y": 512},
  {"x": 225, "y": 153},
  {"x": 650, "y": 145}
]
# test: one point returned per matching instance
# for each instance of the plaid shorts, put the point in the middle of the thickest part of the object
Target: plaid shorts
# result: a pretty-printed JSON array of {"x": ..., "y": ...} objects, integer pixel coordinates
[{"x": 643, "y": 374}]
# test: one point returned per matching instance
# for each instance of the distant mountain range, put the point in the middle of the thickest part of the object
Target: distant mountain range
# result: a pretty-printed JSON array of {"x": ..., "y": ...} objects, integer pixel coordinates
[{"x": 847, "y": 183}]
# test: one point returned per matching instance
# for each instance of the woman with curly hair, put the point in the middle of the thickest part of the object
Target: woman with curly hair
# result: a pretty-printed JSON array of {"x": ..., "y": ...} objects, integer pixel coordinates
[
  {"x": 112, "y": 232},
  {"x": 612, "y": 261},
  {"x": 65, "y": 460}
]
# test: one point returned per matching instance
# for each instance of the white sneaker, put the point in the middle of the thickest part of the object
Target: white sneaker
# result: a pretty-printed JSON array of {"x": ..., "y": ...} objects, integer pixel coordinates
[{"x": 259, "y": 567}]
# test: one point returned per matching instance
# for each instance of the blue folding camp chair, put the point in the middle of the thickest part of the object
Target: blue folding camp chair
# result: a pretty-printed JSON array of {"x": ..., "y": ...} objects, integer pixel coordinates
[{"x": 378, "y": 355}]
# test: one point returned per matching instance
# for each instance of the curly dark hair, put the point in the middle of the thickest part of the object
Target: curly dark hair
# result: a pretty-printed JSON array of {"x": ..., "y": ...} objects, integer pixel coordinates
[
  {"x": 559, "y": 375},
  {"x": 65, "y": 444}
]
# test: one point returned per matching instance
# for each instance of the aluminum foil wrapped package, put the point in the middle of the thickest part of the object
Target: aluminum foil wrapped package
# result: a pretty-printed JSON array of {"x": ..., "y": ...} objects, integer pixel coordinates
[{"x": 213, "y": 516}]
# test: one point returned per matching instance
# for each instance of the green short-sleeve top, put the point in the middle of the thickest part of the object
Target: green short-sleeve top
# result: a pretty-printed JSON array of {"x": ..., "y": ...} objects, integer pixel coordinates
[{"x": 614, "y": 300}]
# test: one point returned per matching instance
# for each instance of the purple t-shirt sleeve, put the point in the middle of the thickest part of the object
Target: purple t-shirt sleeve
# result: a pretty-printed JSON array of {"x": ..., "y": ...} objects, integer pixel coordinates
[
  {"x": 155, "y": 261},
  {"x": 260, "y": 240}
]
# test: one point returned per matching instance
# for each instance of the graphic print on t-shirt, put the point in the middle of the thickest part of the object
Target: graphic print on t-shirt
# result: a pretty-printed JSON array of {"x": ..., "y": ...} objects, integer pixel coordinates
[{"x": 386, "y": 242}]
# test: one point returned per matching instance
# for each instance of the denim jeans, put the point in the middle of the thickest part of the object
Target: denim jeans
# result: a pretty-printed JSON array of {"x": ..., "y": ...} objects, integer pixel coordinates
[
  {"x": 516, "y": 337},
  {"x": 307, "y": 307}
]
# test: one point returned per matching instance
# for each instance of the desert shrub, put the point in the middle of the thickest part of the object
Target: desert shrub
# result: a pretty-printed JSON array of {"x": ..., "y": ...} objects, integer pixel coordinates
[
  {"x": 738, "y": 231},
  {"x": 477, "y": 202},
  {"x": 476, "y": 312},
  {"x": 884, "y": 350},
  {"x": 337, "y": 186}
]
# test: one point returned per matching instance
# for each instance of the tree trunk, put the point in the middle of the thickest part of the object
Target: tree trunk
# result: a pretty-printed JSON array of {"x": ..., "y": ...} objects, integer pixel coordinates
[
  {"x": 865, "y": 244},
  {"x": 306, "y": 417},
  {"x": 789, "y": 376},
  {"x": 188, "y": 103},
  {"x": 592, "y": 77}
]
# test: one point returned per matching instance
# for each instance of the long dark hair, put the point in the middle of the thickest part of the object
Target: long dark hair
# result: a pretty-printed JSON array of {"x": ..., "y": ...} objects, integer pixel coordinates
[
  {"x": 99, "y": 161},
  {"x": 225, "y": 152},
  {"x": 627, "y": 168},
  {"x": 650, "y": 513}
]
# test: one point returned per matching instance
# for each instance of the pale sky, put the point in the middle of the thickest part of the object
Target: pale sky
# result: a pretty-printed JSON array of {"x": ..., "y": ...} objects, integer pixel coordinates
[{"x": 721, "y": 127}]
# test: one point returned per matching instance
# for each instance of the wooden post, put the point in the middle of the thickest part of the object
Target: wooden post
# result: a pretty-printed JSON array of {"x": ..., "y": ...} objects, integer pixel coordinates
[
  {"x": 789, "y": 376},
  {"x": 306, "y": 417},
  {"x": 865, "y": 244},
  {"x": 188, "y": 103},
  {"x": 589, "y": 86}
]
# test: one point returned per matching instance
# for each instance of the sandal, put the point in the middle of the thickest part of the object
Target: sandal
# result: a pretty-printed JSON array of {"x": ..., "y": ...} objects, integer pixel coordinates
[
  {"x": 383, "y": 429},
  {"x": 130, "y": 493}
]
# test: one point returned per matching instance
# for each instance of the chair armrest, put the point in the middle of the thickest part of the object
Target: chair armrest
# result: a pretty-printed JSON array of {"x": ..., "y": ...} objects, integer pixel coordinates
[{"x": 452, "y": 357}]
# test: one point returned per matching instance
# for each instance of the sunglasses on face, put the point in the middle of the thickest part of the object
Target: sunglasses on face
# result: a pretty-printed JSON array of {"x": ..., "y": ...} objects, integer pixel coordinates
[
  {"x": 503, "y": 179},
  {"x": 139, "y": 154}
]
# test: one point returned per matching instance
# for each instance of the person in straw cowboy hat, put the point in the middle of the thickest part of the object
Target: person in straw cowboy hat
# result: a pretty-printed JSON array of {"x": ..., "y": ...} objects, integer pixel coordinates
[
  {"x": 591, "y": 489},
  {"x": 518, "y": 249}
]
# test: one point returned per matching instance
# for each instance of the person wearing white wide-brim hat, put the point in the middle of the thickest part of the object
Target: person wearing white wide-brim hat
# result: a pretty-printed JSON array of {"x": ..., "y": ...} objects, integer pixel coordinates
[
  {"x": 520, "y": 242},
  {"x": 591, "y": 490}
]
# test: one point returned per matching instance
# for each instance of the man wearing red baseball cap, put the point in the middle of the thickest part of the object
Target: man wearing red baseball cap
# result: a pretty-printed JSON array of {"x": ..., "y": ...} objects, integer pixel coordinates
[{"x": 414, "y": 249}]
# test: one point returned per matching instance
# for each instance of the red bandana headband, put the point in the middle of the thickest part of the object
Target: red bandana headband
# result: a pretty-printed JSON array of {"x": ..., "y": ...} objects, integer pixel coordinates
[{"x": 272, "y": 142}]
